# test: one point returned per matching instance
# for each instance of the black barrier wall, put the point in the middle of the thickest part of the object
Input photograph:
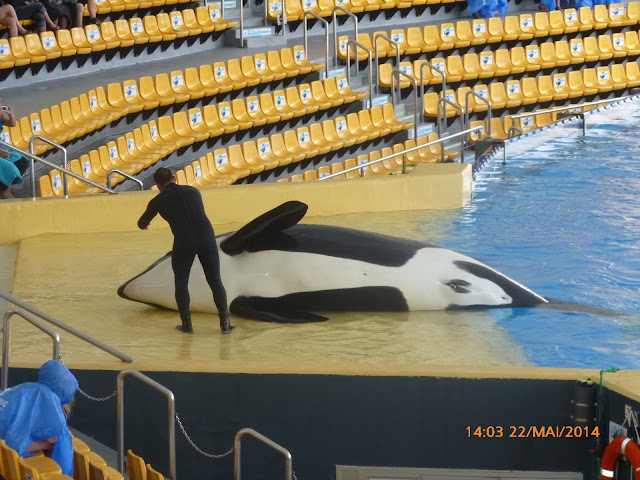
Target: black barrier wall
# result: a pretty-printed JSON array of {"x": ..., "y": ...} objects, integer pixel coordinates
[{"x": 324, "y": 420}]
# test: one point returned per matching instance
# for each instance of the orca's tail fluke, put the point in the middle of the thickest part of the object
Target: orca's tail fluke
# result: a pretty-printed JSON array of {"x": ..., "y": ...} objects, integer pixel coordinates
[{"x": 578, "y": 308}]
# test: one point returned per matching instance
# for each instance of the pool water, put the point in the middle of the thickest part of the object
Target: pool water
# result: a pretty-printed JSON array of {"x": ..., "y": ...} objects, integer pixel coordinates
[{"x": 563, "y": 218}]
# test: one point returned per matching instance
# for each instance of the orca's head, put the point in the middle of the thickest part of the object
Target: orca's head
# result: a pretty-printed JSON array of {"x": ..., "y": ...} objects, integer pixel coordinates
[{"x": 471, "y": 284}]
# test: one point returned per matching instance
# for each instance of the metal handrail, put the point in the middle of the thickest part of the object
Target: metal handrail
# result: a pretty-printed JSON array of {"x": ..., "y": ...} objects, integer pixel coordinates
[
  {"x": 356, "y": 45},
  {"x": 5, "y": 339},
  {"x": 172, "y": 418},
  {"x": 571, "y": 107},
  {"x": 65, "y": 327},
  {"x": 65, "y": 180},
  {"x": 444, "y": 82},
  {"x": 265, "y": 440},
  {"x": 514, "y": 129},
  {"x": 396, "y": 73},
  {"x": 53, "y": 165},
  {"x": 466, "y": 109},
  {"x": 326, "y": 38},
  {"x": 335, "y": 29},
  {"x": 444, "y": 101},
  {"x": 241, "y": 19},
  {"x": 404, "y": 152},
  {"x": 124, "y": 174},
  {"x": 375, "y": 46}
]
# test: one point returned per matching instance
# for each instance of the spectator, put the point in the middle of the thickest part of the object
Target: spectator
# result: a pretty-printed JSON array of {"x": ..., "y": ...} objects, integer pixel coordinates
[
  {"x": 77, "y": 7},
  {"x": 58, "y": 12},
  {"x": 32, "y": 417},
  {"x": 12, "y": 164},
  {"x": 9, "y": 19},
  {"x": 487, "y": 8},
  {"x": 30, "y": 10}
]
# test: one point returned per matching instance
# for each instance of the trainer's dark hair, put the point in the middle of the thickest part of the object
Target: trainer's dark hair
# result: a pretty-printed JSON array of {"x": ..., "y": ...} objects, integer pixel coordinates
[{"x": 162, "y": 176}]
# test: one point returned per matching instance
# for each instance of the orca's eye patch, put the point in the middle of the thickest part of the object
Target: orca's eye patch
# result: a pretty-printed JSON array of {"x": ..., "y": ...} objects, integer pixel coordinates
[{"x": 459, "y": 286}]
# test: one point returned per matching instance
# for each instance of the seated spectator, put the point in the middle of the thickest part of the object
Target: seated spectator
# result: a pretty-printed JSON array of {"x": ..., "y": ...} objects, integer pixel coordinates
[
  {"x": 9, "y": 19},
  {"x": 487, "y": 8},
  {"x": 35, "y": 11},
  {"x": 32, "y": 418},
  {"x": 77, "y": 7},
  {"x": 58, "y": 12},
  {"x": 12, "y": 164}
]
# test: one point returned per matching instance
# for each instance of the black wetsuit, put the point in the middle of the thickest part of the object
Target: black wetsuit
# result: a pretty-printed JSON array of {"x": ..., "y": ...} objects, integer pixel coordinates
[{"x": 193, "y": 235}]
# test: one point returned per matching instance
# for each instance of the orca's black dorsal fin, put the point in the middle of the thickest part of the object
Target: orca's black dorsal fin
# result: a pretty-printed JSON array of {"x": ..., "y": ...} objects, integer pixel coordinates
[{"x": 280, "y": 218}]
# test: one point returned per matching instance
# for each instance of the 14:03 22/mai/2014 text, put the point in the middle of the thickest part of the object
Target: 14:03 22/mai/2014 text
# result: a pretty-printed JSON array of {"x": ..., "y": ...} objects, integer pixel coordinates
[{"x": 542, "y": 431}]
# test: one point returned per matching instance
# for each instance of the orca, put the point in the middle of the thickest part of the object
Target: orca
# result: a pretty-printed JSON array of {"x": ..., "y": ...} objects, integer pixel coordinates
[{"x": 275, "y": 269}]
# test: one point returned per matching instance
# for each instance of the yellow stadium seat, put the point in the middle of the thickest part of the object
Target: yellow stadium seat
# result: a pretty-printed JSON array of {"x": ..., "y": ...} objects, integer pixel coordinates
[
  {"x": 221, "y": 78},
  {"x": 300, "y": 58},
  {"x": 152, "y": 29},
  {"x": 591, "y": 50},
  {"x": 542, "y": 25},
  {"x": 318, "y": 140},
  {"x": 10, "y": 460},
  {"x": 103, "y": 472},
  {"x": 366, "y": 124},
  {"x": 20, "y": 54},
  {"x": 239, "y": 162},
  {"x": 330, "y": 134},
  {"x": 497, "y": 28},
  {"x": 503, "y": 62},
  {"x": 304, "y": 140},
  {"x": 391, "y": 120},
  {"x": 377, "y": 119},
  {"x": 618, "y": 76},
  {"x": 241, "y": 117},
  {"x": 431, "y": 39},
  {"x": 587, "y": 22},
  {"x": 604, "y": 46},
  {"x": 110, "y": 37},
  {"x": 519, "y": 61},
  {"x": 545, "y": 88},
  {"x": 94, "y": 38},
  {"x": 556, "y": 22},
  {"x": 251, "y": 155},
  {"x": 605, "y": 82},
  {"x": 561, "y": 55},
  {"x": 282, "y": 107},
  {"x": 310, "y": 175},
  {"x": 498, "y": 96},
  {"x": 350, "y": 163},
  {"x": 532, "y": 54},
  {"x": 633, "y": 11},
  {"x": 632, "y": 73},
  {"x": 620, "y": 47},
  {"x": 139, "y": 31},
  {"x": 572, "y": 22},
  {"x": 548, "y": 58},
  {"x": 632, "y": 43},
  {"x": 181, "y": 25},
  {"x": 342, "y": 132},
  {"x": 414, "y": 41},
  {"x": 601, "y": 17},
  {"x": 291, "y": 145},
  {"x": 167, "y": 28},
  {"x": 446, "y": 36},
  {"x": 50, "y": 45}
]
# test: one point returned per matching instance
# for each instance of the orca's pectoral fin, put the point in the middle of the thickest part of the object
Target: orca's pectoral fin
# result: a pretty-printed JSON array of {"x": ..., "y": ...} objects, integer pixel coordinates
[
  {"x": 258, "y": 308},
  {"x": 280, "y": 218}
]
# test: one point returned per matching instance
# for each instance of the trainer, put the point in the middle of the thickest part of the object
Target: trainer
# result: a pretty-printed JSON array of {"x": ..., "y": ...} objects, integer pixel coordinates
[{"x": 181, "y": 206}]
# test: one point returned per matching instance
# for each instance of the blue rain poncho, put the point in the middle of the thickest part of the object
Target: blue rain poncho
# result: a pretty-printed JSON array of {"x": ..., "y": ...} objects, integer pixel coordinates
[
  {"x": 488, "y": 8},
  {"x": 33, "y": 411},
  {"x": 9, "y": 173}
]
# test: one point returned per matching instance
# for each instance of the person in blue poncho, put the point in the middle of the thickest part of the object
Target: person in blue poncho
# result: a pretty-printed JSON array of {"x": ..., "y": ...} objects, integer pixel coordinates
[
  {"x": 32, "y": 419},
  {"x": 12, "y": 164}
]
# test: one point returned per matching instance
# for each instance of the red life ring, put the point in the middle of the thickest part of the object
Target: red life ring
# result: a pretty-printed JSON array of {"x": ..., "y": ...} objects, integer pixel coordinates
[{"x": 620, "y": 445}]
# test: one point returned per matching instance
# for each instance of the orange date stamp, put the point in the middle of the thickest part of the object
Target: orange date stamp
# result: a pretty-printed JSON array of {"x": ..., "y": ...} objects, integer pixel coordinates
[{"x": 532, "y": 431}]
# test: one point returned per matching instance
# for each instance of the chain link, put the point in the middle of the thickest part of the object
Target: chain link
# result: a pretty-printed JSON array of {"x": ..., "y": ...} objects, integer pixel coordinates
[
  {"x": 96, "y": 399},
  {"x": 195, "y": 447}
]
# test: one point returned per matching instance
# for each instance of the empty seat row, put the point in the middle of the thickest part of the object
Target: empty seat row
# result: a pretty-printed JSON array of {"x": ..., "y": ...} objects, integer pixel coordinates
[
  {"x": 446, "y": 36},
  {"x": 324, "y": 8},
  {"x": 112, "y": 6},
  {"x": 37, "y": 48},
  {"x": 428, "y": 154},
  {"x": 501, "y": 128},
  {"x": 144, "y": 146},
  {"x": 516, "y": 60},
  {"x": 544, "y": 88},
  {"x": 97, "y": 108},
  {"x": 224, "y": 166}
]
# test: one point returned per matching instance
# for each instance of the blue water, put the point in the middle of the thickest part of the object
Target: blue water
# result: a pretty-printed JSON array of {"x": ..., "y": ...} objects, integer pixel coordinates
[{"x": 564, "y": 219}]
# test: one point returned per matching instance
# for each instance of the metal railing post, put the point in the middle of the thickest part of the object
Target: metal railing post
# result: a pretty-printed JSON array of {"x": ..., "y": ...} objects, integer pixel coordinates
[
  {"x": 443, "y": 102},
  {"x": 356, "y": 45},
  {"x": 237, "y": 448},
  {"x": 65, "y": 327},
  {"x": 404, "y": 152},
  {"x": 335, "y": 29},
  {"x": 375, "y": 46},
  {"x": 241, "y": 20},
  {"x": 172, "y": 418},
  {"x": 396, "y": 74},
  {"x": 6, "y": 339},
  {"x": 32, "y": 157},
  {"x": 325, "y": 24},
  {"x": 124, "y": 174},
  {"x": 444, "y": 82},
  {"x": 65, "y": 180}
]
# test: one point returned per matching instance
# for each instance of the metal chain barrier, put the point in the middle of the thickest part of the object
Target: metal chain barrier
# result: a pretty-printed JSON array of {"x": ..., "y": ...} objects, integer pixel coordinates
[
  {"x": 96, "y": 399},
  {"x": 195, "y": 447}
]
